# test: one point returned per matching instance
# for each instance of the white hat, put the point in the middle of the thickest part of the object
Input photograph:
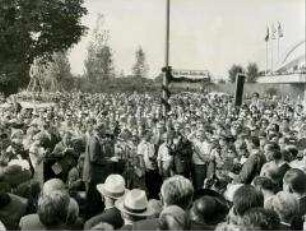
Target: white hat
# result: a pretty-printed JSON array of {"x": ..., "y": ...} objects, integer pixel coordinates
[
  {"x": 135, "y": 203},
  {"x": 113, "y": 187}
]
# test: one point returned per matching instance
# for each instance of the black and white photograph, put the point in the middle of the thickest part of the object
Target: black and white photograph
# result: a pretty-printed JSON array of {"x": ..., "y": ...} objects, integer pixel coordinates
[{"x": 152, "y": 115}]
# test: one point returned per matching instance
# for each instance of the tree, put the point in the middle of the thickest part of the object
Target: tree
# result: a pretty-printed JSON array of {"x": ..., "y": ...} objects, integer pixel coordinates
[
  {"x": 99, "y": 62},
  {"x": 140, "y": 69},
  {"x": 235, "y": 69},
  {"x": 252, "y": 72},
  {"x": 52, "y": 75},
  {"x": 35, "y": 28},
  {"x": 59, "y": 74}
]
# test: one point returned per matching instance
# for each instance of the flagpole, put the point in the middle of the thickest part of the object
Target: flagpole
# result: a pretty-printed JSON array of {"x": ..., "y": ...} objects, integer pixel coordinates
[
  {"x": 278, "y": 49},
  {"x": 272, "y": 55},
  {"x": 267, "y": 57},
  {"x": 165, "y": 77}
]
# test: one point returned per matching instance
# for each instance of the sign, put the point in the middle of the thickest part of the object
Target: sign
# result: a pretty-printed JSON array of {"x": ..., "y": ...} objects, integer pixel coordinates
[
  {"x": 240, "y": 80},
  {"x": 191, "y": 74}
]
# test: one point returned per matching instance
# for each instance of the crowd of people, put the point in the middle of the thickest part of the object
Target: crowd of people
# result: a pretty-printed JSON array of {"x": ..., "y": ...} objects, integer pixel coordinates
[{"x": 115, "y": 161}]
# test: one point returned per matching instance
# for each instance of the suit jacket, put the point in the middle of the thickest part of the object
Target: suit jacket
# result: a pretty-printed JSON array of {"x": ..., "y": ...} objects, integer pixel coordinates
[
  {"x": 12, "y": 210},
  {"x": 111, "y": 216},
  {"x": 200, "y": 226},
  {"x": 251, "y": 168},
  {"x": 94, "y": 161},
  {"x": 147, "y": 224}
]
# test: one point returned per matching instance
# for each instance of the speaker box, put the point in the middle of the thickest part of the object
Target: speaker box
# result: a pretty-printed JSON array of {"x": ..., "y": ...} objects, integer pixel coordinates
[{"x": 240, "y": 80}]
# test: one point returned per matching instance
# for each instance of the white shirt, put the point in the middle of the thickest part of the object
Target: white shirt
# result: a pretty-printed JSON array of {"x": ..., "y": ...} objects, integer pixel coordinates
[
  {"x": 163, "y": 153},
  {"x": 201, "y": 155},
  {"x": 36, "y": 153},
  {"x": 147, "y": 150}
]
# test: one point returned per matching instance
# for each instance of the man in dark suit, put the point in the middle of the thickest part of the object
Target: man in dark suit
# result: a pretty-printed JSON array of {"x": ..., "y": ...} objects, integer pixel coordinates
[
  {"x": 251, "y": 168},
  {"x": 96, "y": 168}
]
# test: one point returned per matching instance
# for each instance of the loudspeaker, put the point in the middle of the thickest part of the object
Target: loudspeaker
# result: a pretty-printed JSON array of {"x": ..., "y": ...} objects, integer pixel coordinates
[{"x": 240, "y": 80}]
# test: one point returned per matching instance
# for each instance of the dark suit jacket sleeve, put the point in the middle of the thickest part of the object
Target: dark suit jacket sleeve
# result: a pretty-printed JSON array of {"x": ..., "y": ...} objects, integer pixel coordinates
[
  {"x": 247, "y": 170},
  {"x": 94, "y": 150},
  {"x": 92, "y": 222},
  {"x": 110, "y": 216}
]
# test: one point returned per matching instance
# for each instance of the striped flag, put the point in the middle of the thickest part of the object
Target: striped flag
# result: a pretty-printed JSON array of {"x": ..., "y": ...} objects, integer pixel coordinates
[
  {"x": 280, "y": 30},
  {"x": 267, "y": 37}
]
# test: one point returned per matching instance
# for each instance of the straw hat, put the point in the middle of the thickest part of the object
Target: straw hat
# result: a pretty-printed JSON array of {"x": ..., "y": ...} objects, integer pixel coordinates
[
  {"x": 113, "y": 187},
  {"x": 135, "y": 203}
]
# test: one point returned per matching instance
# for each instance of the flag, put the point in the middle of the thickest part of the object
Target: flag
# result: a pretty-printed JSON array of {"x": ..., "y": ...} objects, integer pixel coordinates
[
  {"x": 280, "y": 30},
  {"x": 267, "y": 35},
  {"x": 273, "y": 32}
]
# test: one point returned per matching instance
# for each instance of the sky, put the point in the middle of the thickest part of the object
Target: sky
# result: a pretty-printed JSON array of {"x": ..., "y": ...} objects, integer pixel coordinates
[{"x": 205, "y": 34}]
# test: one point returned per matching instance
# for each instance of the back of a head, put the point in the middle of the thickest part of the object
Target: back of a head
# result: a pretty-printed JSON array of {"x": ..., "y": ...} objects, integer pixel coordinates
[
  {"x": 274, "y": 151},
  {"x": 295, "y": 181},
  {"x": 264, "y": 183},
  {"x": 174, "y": 218},
  {"x": 52, "y": 185},
  {"x": 245, "y": 198},
  {"x": 156, "y": 206},
  {"x": 53, "y": 208},
  {"x": 177, "y": 190},
  {"x": 285, "y": 205},
  {"x": 292, "y": 149},
  {"x": 255, "y": 141},
  {"x": 208, "y": 210},
  {"x": 225, "y": 226},
  {"x": 103, "y": 226},
  {"x": 286, "y": 155},
  {"x": 73, "y": 212},
  {"x": 260, "y": 219}
]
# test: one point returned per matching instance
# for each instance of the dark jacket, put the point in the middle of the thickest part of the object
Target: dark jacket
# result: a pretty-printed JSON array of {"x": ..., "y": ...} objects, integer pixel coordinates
[
  {"x": 94, "y": 162},
  {"x": 12, "y": 208},
  {"x": 111, "y": 216},
  {"x": 147, "y": 224},
  {"x": 251, "y": 168}
]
